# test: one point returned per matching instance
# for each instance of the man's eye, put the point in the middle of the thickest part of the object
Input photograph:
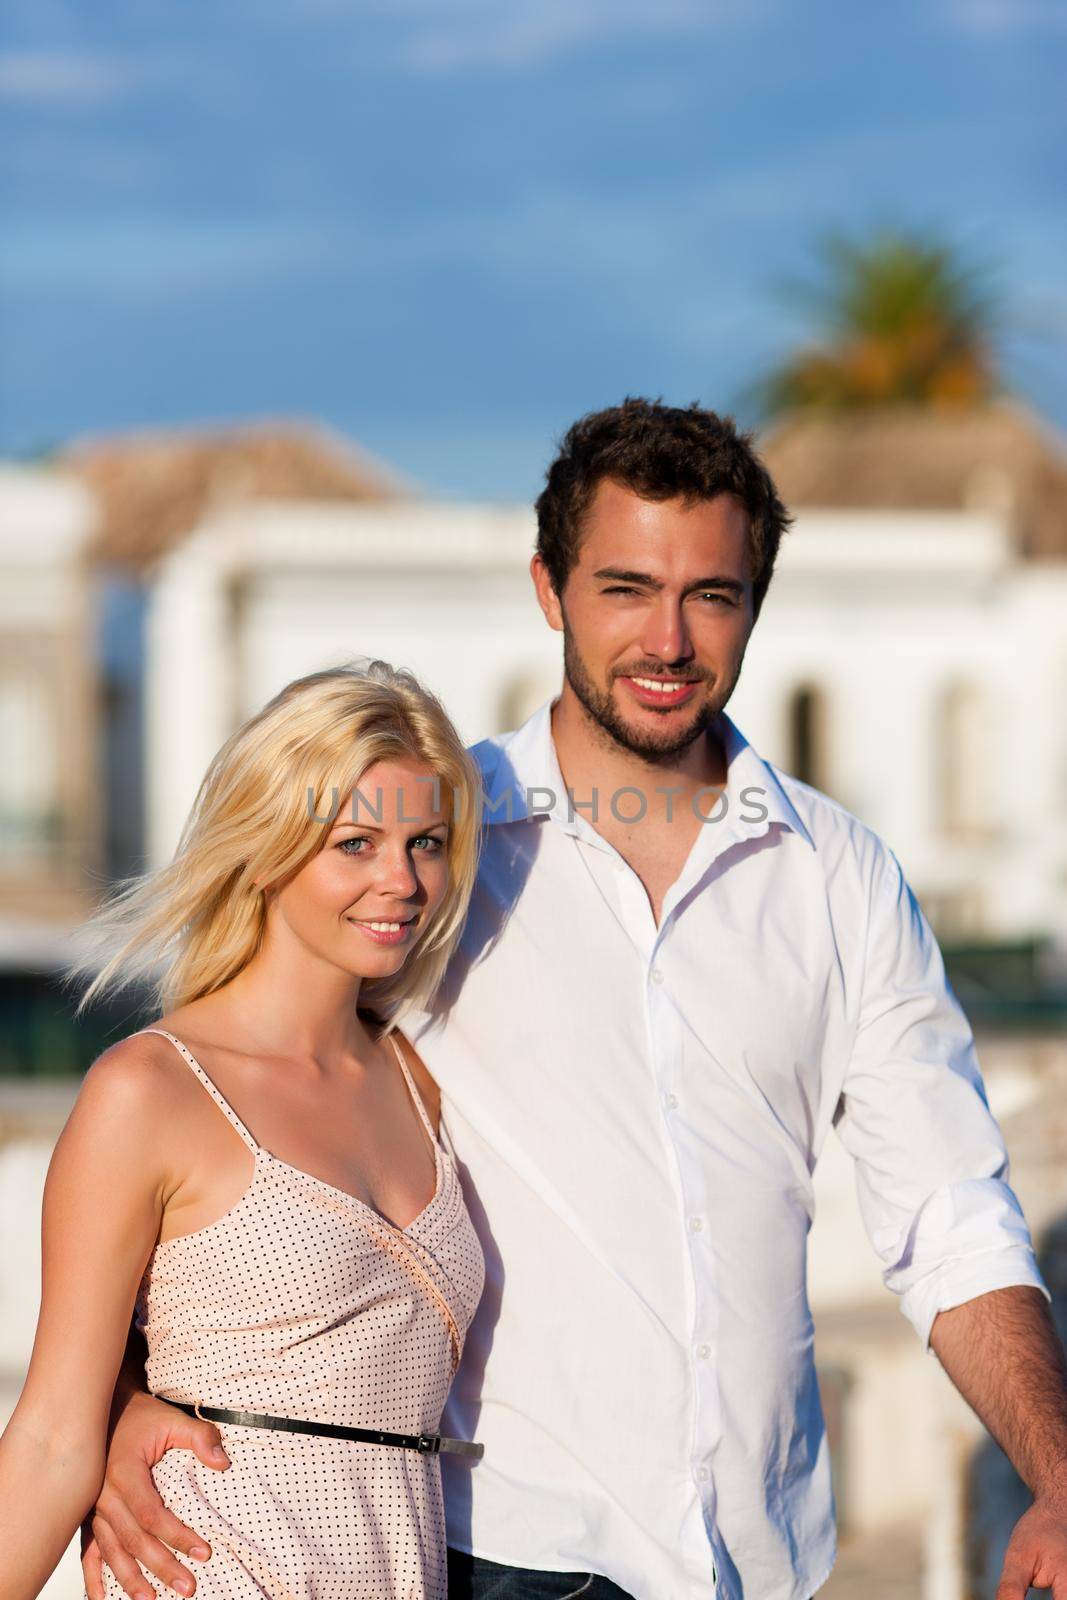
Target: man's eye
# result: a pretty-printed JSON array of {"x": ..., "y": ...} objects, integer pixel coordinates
[
  {"x": 619, "y": 589},
  {"x": 720, "y": 599}
]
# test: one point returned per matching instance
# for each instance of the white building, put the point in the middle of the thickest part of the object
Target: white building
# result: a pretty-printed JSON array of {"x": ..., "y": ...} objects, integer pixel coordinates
[
  {"x": 911, "y": 658},
  {"x": 48, "y": 794},
  {"x": 915, "y": 655}
]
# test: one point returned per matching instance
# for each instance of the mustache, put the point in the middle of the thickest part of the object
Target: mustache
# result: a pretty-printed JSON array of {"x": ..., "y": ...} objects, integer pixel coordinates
[{"x": 662, "y": 672}]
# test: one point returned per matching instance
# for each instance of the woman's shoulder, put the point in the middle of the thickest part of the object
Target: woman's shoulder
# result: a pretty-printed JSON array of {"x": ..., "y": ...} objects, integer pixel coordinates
[
  {"x": 128, "y": 1109},
  {"x": 140, "y": 1077}
]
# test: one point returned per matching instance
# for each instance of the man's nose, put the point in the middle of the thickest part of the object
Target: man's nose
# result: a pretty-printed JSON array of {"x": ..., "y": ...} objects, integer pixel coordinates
[{"x": 666, "y": 635}]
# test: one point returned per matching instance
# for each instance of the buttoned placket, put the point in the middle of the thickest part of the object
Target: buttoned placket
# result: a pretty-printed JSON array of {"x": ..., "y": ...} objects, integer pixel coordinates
[{"x": 666, "y": 1044}]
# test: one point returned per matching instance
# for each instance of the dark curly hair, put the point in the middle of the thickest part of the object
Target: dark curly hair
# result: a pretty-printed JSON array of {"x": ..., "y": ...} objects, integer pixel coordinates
[{"x": 661, "y": 453}]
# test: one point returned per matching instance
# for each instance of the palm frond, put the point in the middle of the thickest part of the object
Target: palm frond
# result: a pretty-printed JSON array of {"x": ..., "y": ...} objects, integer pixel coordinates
[{"x": 902, "y": 318}]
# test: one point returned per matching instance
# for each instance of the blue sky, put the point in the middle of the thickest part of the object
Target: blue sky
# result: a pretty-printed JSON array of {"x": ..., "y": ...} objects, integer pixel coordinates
[{"x": 447, "y": 227}]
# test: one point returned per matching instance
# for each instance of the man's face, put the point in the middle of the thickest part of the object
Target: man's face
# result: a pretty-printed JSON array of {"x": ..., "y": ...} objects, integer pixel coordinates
[{"x": 655, "y": 615}]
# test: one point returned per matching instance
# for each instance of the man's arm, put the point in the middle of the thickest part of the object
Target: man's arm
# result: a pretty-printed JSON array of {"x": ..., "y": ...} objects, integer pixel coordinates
[
  {"x": 129, "y": 1522},
  {"x": 931, "y": 1165},
  {"x": 932, "y": 1175},
  {"x": 1002, "y": 1352}
]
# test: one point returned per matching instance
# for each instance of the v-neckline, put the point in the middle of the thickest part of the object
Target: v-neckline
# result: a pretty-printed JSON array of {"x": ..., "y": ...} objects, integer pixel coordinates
[
  {"x": 252, "y": 1143},
  {"x": 355, "y": 1200}
]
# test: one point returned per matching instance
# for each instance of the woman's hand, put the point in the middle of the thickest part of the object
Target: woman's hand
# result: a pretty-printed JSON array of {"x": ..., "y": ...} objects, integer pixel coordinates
[{"x": 130, "y": 1523}]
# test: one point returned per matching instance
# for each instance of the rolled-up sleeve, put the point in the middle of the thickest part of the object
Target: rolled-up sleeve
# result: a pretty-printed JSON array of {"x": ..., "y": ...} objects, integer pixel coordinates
[{"x": 931, "y": 1166}]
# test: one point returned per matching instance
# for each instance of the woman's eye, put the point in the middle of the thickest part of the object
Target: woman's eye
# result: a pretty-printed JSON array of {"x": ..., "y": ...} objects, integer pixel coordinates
[
  {"x": 430, "y": 840},
  {"x": 357, "y": 838}
]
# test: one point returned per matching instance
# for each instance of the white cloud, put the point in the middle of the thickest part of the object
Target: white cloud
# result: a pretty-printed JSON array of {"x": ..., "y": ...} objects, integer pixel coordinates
[
  {"x": 996, "y": 17},
  {"x": 64, "y": 81},
  {"x": 441, "y": 36},
  {"x": 155, "y": 256},
  {"x": 518, "y": 33}
]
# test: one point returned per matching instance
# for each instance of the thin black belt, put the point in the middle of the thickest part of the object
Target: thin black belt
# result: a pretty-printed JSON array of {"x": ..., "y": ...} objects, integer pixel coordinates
[{"x": 427, "y": 1444}]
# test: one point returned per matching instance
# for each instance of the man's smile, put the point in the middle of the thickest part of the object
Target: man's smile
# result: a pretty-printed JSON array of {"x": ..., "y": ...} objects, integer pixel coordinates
[{"x": 661, "y": 693}]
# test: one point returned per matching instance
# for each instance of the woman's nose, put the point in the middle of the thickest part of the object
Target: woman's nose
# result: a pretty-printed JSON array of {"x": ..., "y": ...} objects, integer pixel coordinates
[{"x": 396, "y": 871}]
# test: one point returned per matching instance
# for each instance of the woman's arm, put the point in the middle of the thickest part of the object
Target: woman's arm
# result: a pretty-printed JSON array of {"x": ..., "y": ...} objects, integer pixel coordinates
[{"x": 103, "y": 1201}]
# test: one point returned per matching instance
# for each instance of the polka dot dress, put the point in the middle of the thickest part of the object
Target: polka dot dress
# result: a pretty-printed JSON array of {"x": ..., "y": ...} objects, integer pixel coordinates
[{"x": 301, "y": 1301}]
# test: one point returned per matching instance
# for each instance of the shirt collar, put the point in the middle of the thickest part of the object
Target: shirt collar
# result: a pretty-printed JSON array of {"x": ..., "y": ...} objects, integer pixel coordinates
[{"x": 523, "y": 782}]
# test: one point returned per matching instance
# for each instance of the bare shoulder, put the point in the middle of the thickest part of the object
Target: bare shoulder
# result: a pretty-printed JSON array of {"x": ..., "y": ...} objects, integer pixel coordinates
[
  {"x": 426, "y": 1085},
  {"x": 135, "y": 1086}
]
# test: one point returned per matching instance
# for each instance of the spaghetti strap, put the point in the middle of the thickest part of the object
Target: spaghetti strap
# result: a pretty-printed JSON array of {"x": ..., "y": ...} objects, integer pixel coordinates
[
  {"x": 416, "y": 1096},
  {"x": 216, "y": 1094}
]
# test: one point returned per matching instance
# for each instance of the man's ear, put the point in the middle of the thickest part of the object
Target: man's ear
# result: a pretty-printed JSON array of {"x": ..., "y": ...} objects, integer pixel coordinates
[{"x": 547, "y": 598}]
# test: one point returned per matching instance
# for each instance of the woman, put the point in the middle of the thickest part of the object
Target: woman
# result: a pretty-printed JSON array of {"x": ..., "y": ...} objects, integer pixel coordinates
[{"x": 258, "y": 1175}]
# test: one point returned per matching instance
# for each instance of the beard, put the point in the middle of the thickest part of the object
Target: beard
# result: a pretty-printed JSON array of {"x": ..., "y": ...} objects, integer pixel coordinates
[{"x": 649, "y": 745}]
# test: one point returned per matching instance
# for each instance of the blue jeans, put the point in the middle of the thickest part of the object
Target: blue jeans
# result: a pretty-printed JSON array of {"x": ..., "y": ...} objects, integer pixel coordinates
[{"x": 472, "y": 1578}]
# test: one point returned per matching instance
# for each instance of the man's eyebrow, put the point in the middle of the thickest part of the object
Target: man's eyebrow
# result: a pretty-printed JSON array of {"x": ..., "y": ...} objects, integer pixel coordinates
[
  {"x": 734, "y": 585},
  {"x": 647, "y": 581},
  {"x": 621, "y": 575}
]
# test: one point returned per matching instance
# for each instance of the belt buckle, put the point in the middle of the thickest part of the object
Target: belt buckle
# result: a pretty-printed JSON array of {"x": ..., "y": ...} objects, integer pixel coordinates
[{"x": 429, "y": 1444}]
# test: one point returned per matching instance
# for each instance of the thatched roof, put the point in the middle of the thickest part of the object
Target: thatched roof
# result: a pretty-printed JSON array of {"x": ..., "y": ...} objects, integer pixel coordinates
[
  {"x": 153, "y": 488},
  {"x": 999, "y": 457}
]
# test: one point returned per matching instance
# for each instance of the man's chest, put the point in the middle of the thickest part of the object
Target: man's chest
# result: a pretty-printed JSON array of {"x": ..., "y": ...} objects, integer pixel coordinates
[
  {"x": 566, "y": 1002},
  {"x": 655, "y": 856}
]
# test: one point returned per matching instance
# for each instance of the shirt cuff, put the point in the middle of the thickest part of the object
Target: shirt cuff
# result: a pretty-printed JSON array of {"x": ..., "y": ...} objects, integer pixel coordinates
[
  {"x": 1012, "y": 1267},
  {"x": 967, "y": 1239}
]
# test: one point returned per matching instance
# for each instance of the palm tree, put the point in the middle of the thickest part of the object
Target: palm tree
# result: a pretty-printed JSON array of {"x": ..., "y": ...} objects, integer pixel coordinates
[{"x": 908, "y": 321}]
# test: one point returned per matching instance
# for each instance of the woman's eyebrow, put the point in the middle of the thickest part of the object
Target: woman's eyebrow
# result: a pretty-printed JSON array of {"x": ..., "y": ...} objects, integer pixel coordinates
[{"x": 370, "y": 827}]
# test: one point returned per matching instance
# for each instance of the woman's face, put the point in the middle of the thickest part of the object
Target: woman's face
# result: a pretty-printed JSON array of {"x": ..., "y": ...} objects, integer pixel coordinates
[{"x": 365, "y": 899}]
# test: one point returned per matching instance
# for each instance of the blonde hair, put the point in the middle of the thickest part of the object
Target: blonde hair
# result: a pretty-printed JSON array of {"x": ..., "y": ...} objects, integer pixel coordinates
[{"x": 262, "y": 811}]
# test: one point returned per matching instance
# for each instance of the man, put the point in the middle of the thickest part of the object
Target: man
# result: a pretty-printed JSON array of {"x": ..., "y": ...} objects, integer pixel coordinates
[{"x": 681, "y": 968}]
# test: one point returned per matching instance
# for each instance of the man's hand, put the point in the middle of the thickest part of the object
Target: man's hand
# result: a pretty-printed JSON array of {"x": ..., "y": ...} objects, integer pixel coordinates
[
  {"x": 1036, "y": 1556},
  {"x": 1003, "y": 1353},
  {"x": 130, "y": 1523}
]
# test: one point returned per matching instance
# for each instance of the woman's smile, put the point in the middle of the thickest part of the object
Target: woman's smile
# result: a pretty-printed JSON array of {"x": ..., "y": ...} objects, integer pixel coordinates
[{"x": 385, "y": 930}]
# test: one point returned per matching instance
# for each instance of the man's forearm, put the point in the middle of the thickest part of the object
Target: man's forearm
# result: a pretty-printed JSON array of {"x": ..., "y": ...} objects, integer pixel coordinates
[
  {"x": 1002, "y": 1352},
  {"x": 131, "y": 1379}
]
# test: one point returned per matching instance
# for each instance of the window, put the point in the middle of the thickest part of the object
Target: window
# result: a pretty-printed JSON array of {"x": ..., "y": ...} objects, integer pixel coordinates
[
  {"x": 525, "y": 692},
  {"x": 964, "y": 757},
  {"x": 28, "y": 777},
  {"x": 808, "y": 736}
]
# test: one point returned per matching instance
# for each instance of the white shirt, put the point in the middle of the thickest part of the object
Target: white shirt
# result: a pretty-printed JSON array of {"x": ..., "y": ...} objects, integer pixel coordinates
[{"x": 637, "y": 1112}]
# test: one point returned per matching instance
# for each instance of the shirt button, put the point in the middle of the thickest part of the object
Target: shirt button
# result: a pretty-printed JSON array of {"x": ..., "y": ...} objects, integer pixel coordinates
[
  {"x": 696, "y": 1224},
  {"x": 704, "y": 1351},
  {"x": 703, "y": 1474},
  {"x": 671, "y": 1102},
  {"x": 657, "y": 975}
]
